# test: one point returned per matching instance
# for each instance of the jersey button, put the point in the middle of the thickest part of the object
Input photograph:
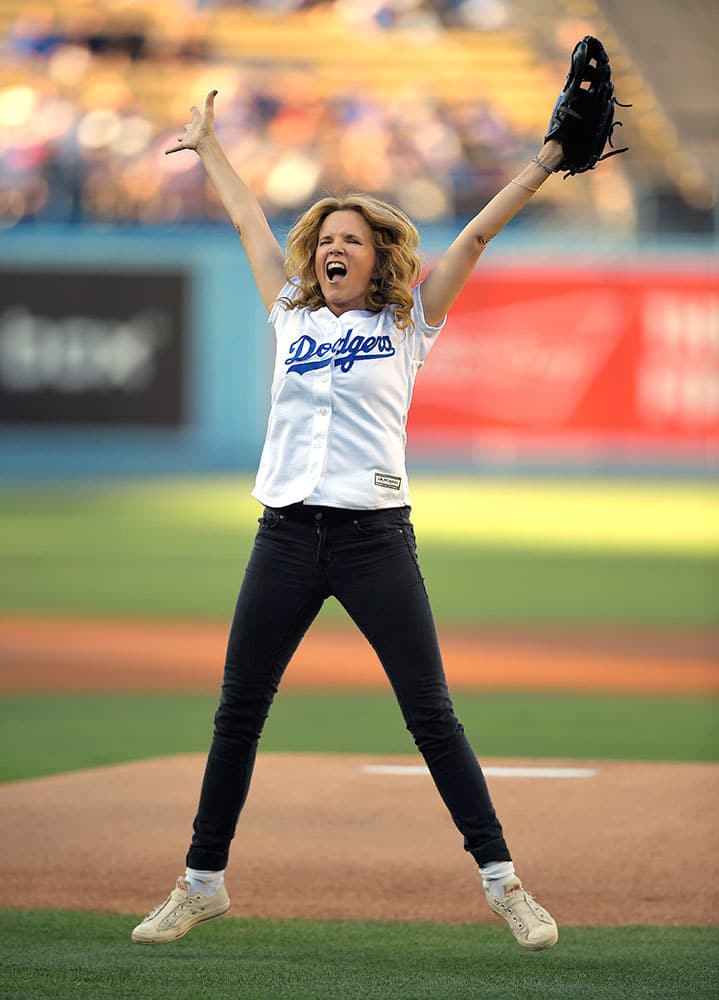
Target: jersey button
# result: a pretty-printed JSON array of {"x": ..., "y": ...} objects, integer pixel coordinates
[{"x": 318, "y": 515}]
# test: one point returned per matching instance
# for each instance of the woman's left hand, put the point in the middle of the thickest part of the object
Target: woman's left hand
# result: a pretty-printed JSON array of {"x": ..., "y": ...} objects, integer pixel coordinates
[{"x": 200, "y": 128}]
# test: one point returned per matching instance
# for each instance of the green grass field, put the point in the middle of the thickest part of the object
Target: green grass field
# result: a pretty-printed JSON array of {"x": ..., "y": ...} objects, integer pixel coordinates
[
  {"x": 599, "y": 555},
  {"x": 55, "y": 733},
  {"x": 88, "y": 956},
  {"x": 526, "y": 552}
]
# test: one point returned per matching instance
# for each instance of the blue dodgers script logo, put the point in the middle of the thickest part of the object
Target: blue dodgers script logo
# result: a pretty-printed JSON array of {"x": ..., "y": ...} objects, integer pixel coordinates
[{"x": 306, "y": 354}]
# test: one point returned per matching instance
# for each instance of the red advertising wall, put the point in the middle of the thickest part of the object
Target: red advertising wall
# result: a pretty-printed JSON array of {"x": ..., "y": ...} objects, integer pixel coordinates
[{"x": 575, "y": 361}]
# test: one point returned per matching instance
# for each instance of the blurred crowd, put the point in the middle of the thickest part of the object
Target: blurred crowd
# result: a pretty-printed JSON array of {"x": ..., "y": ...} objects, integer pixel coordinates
[
  {"x": 86, "y": 114},
  {"x": 387, "y": 14}
]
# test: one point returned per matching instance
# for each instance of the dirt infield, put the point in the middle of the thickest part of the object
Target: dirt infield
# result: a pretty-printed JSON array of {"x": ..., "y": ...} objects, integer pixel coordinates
[
  {"x": 322, "y": 837},
  {"x": 599, "y": 847},
  {"x": 59, "y": 655}
]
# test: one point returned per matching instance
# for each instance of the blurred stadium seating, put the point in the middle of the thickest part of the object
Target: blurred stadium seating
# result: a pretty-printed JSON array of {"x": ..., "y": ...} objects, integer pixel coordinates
[
  {"x": 430, "y": 104},
  {"x": 681, "y": 78}
]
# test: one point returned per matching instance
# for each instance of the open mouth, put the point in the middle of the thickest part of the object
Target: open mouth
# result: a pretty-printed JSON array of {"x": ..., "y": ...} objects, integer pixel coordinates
[{"x": 336, "y": 269}]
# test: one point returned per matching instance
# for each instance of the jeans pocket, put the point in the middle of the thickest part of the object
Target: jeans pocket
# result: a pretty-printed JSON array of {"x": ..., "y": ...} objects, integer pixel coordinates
[{"x": 370, "y": 526}]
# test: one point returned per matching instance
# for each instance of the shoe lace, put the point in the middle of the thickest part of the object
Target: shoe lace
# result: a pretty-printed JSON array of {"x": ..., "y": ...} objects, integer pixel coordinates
[
  {"x": 153, "y": 913},
  {"x": 170, "y": 899},
  {"x": 531, "y": 905}
]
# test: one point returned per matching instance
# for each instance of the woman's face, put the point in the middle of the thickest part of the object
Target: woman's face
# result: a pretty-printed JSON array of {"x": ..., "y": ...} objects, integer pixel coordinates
[{"x": 345, "y": 260}]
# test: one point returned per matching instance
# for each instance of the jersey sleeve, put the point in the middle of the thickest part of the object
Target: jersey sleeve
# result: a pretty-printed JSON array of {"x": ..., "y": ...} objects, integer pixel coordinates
[
  {"x": 278, "y": 312},
  {"x": 424, "y": 334}
]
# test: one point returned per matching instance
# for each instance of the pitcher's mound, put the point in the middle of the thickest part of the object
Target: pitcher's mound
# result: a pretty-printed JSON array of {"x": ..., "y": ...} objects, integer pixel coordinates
[{"x": 341, "y": 837}]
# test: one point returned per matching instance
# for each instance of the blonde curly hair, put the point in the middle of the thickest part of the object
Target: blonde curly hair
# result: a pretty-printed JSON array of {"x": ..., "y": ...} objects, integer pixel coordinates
[{"x": 395, "y": 241}]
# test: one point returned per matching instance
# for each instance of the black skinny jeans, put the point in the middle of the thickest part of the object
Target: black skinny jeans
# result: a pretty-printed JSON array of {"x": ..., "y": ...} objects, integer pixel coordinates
[{"x": 368, "y": 561}]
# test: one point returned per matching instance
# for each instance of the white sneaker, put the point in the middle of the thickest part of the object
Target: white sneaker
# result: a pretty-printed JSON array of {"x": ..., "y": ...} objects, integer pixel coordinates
[
  {"x": 179, "y": 914},
  {"x": 533, "y": 927}
]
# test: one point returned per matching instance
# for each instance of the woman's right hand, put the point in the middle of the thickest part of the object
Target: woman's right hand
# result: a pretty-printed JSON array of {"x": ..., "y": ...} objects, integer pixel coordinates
[{"x": 201, "y": 127}]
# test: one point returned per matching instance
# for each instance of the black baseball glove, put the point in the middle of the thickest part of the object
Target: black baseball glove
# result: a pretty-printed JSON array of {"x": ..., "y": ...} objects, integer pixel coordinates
[{"x": 583, "y": 117}]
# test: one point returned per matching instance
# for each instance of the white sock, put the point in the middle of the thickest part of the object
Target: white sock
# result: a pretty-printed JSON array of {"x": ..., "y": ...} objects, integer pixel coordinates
[
  {"x": 495, "y": 875},
  {"x": 205, "y": 882}
]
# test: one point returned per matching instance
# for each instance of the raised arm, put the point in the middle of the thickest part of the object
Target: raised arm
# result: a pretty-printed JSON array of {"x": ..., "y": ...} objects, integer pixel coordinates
[
  {"x": 263, "y": 251},
  {"x": 447, "y": 278}
]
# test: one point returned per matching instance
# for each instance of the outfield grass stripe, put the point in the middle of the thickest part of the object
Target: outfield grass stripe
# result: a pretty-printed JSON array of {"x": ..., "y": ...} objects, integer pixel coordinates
[
  {"x": 48, "y": 734},
  {"x": 490, "y": 551},
  {"x": 622, "y": 516},
  {"x": 668, "y": 515}
]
